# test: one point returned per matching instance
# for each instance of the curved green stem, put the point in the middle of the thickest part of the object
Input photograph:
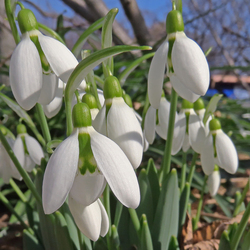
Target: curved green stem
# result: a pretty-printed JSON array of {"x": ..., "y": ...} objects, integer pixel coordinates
[
  {"x": 135, "y": 221},
  {"x": 243, "y": 223},
  {"x": 99, "y": 81},
  {"x": 43, "y": 123},
  {"x": 144, "y": 112},
  {"x": 11, "y": 19},
  {"x": 51, "y": 32},
  {"x": 183, "y": 171},
  {"x": 106, "y": 203},
  {"x": 165, "y": 167},
  {"x": 118, "y": 212},
  {"x": 192, "y": 169},
  {"x": 22, "y": 172},
  {"x": 243, "y": 195},
  {"x": 197, "y": 218},
  {"x": 18, "y": 191}
]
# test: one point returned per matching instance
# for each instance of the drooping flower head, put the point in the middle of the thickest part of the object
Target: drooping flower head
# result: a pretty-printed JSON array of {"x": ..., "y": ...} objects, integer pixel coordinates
[
  {"x": 117, "y": 121},
  {"x": 186, "y": 64},
  {"x": 34, "y": 60},
  {"x": 81, "y": 165},
  {"x": 218, "y": 149},
  {"x": 27, "y": 149},
  {"x": 213, "y": 181}
]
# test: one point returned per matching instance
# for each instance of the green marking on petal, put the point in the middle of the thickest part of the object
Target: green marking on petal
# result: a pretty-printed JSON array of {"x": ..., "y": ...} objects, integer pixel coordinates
[{"x": 86, "y": 157}]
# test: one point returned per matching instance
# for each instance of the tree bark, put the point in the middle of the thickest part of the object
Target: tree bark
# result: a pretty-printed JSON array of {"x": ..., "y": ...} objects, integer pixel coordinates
[
  {"x": 92, "y": 10},
  {"x": 135, "y": 17}
]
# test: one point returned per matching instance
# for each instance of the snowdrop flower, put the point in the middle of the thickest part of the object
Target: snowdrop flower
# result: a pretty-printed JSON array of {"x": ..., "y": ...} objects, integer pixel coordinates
[
  {"x": 34, "y": 55},
  {"x": 27, "y": 149},
  {"x": 218, "y": 149},
  {"x": 191, "y": 130},
  {"x": 187, "y": 67},
  {"x": 117, "y": 121},
  {"x": 92, "y": 220},
  {"x": 7, "y": 168},
  {"x": 213, "y": 181},
  {"x": 81, "y": 165}
]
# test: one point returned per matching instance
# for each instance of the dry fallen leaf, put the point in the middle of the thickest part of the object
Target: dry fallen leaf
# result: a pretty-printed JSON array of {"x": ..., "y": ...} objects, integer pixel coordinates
[
  {"x": 206, "y": 245},
  {"x": 187, "y": 233}
]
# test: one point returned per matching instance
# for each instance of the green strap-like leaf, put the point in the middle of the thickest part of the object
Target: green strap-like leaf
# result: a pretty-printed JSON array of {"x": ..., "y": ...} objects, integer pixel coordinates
[
  {"x": 115, "y": 241},
  {"x": 83, "y": 69},
  {"x": 246, "y": 242},
  {"x": 211, "y": 107},
  {"x": 30, "y": 242},
  {"x": 173, "y": 244},
  {"x": 82, "y": 39},
  {"x": 146, "y": 239},
  {"x": 167, "y": 213}
]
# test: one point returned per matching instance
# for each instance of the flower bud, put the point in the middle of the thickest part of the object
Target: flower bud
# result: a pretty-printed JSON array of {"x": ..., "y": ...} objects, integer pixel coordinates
[
  {"x": 81, "y": 115},
  {"x": 174, "y": 22},
  {"x": 112, "y": 88},
  {"x": 214, "y": 124},
  {"x": 21, "y": 129},
  {"x": 90, "y": 101},
  {"x": 27, "y": 21}
]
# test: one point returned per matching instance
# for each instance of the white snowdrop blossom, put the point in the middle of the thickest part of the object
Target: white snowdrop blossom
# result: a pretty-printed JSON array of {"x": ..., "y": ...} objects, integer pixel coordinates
[
  {"x": 92, "y": 220},
  {"x": 213, "y": 181},
  {"x": 81, "y": 165},
  {"x": 35, "y": 54},
  {"x": 117, "y": 121},
  {"x": 218, "y": 149},
  {"x": 190, "y": 128},
  {"x": 7, "y": 168},
  {"x": 186, "y": 64},
  {"x": 160, "y": 125},
  {"x": 27, "y": 149}
]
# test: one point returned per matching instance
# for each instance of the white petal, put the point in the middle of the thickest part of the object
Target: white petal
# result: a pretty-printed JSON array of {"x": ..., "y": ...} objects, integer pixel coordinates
[
  {"x": 34, "y": 149},
  {"x": 125, "y": 130},
  {"x": 87, "y": 188},
  {"x": 190, "y": 65},
  {"x": 116, "y": 168},
  {"x": 179, "y": 133},
  {"x": 145, "y": 143},
  {"x": 100, "y": 121},
  {"x": 49, "y": 88},
  {"x": 83, "y": 85},
  {"x": 213, "y": 182},
  {"x": 18, "y": 149},
  {"x": 88, "y": 219},
  {"x": 29, "y": 164},
  {"x": 156, "y": 74},
  {"x": 201, "y": 113},
  {"x": 226, "y": 153},
  {"x": 26, "y": 73},
  {"x": 196, "y": 132},
  {"x": 207, "y": 156},
  {"x": 105, "y": 219},
  {"x": 150, "y": 124},
  {"x": 60, "y": 58},
  {"x": 54, "y": 107},
  {"x": 101, "y": 96},
  {"x": 5, "y": 165},
  {"x": 94, "y": 113},
  {"x": 60, "y": 173},
  {"x": 182, "y": 90}
]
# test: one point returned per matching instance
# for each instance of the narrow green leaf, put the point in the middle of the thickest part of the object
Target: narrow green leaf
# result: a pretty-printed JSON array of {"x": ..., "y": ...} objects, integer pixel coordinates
[
  {"x": 146, "y": 204},
  {"x": 146, "y": 239},
  {"x": 123, "y": 229},
  {"x": 246, "y": 242},
  {"x": 232, "y": 230},
  {"x": 62, "y": 234},
  {"x": 30, "y": 242},
  {"x": 242, "y": 206},
  {"x": 167, "y": 213},
  {"x": 115, "y": 241},
  {"x": 71, "y": 226},
  {"x": 211, "y": 107},
  {"x": 47, "y": 222},
  {"x": 184, "y": 199},
  {"x": 173, "y": 244},
  {"x": 84, "y": 67},
  {"x": 82, "y": 39},
  {"x": 153, "y": 181},
  {"x": 52, "y": 144},
  {"x": 126, "y": 72},
  {"x": 224, "y": 241},
  {"x": 107, "y": 39}
]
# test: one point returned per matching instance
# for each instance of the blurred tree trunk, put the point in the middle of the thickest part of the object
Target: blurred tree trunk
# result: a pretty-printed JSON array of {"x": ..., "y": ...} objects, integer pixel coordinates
[
  {"x": 92, "y": 10},
  {"x": 136, "y": 19}
]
